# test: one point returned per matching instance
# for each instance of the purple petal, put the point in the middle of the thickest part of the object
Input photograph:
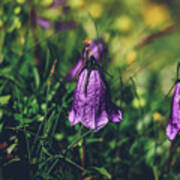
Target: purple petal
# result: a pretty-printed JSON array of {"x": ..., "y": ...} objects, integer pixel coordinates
[
  {"x": 171, "y": 131},
  {"x": 66, "y": 25},
  {"x": 88, "y": 118},
  {"x": 92, "y": 105},
  {"x": 96, "y": 49},
  {"x": 57, "y": 3},
  {"x": 72, "y": 118},
  {"x": 76, "y": 113},
  {"x": 175, "y": 114},
  {"x": 94, "y": 94},
  {"x": 88, "y": 101},
  {"x": 75, "y": 71},
  {"x": 44, "y": 23},
  {"x": 174, "y": 122},
  {"x": 102, "y": 120},
  {"x": 81, "y": 83},
  {"x": 115, "y": 114}
]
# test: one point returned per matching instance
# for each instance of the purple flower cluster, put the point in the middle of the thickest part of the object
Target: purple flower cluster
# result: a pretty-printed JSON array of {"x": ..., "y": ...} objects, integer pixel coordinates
[
  {"x": 65, "y": 25},
  {"x": 58, "y": 2},
  {"x": 92, "y": 105},
  {"x": 59, "y": 25},
  {"x": 44, "y": 23},
  {"x": 96, "y": 49},
  {"x": 173, "y": 127}
]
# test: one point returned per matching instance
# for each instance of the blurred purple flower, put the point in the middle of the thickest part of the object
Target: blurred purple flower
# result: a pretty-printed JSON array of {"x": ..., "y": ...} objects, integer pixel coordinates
[
  {"x": 96, "y": 49},
  {"x": 92, "y": 104},
  {"x": 44, "y": 23},
  {"x": 66, "y": 25},
  {"x": 66, "y": 9},
  {"x": 76, "y": 70},
  {"x": 58, "y": 25},
  {"x": 173, "y": 127},
  {"x": 57, "y": 3}
]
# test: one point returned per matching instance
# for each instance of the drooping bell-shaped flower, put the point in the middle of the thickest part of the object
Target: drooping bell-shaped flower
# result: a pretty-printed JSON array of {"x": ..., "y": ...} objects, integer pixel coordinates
[
  {"x": 92, "y": 104},
  {"x": 173, "y": 127},
  {"x": 65, "y": 25},
  {"x": 75, "y": 71},
  {"x": 47, "y": 23},
  {"x": 95, "y": 48},
  {"x": 57, "y": 3},
  {"x": 44, "y": 23}
]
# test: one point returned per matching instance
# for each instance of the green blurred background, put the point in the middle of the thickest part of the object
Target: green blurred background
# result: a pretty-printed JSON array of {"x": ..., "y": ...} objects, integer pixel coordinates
[{"x": 142, "y": 51}]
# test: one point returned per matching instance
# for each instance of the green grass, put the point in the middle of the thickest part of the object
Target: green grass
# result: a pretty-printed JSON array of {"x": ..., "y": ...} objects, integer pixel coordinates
[{"x": 36, "y": 138}]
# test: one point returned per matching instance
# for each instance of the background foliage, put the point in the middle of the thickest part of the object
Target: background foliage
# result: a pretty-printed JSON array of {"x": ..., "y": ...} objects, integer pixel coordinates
[{"x": 36, "y": 139}]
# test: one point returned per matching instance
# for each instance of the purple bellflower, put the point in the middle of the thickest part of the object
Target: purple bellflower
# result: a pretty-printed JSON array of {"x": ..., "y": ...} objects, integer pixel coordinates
[
  {"x": 173, "y": 127},
  {"x": 65, "y": 25},
  {"x": 44, "y": 23},
  {"x": 92, "y": 104},
  {"x": 57, "y": 25},
  {"x": 57, "y": 3},
  {"x": 96, "y": 49},
  {"x": 75, "y": 71}
]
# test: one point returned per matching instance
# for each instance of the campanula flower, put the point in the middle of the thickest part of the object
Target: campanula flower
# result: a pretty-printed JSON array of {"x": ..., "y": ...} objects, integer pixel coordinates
[
  {"x": 45, "y": 17},
  {"x": 96, "y": 49},
  {"x": 44, "y": 23},
  {"x": 75, "y": 71},
  {"x": 92, "y": 104},
  {"x": 65, "y": 25},
  {"x": 58, "y": 2},
  {"x": 173, "y": 127}
]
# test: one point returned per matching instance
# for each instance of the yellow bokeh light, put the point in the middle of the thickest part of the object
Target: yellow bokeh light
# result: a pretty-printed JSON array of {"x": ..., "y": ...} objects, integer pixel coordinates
[
  {"x": 178, "y": 149},
  {"x": 156, "y": 15},
  {"x": 22, "y": 40},
  {"x": 46, "y": 3},
  {"x": 17, "y": 10},
  {"x": 131, "y": 57},
  {"x": 95, "y": 9},
  {"x": 157, "y": 116},
  {"x": 123, "y": 23},
  {"x": 20, "y": 1},
  {"x": 1, "y": 23},
  {"x": 139, "y": 102},
  {"x": 17, "y": 23},
  {"x": 76, "y": 3}
]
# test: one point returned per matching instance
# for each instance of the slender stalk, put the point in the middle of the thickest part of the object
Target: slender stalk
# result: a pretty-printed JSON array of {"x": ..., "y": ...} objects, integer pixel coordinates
[
  {"x": 42, "y": 125},
  {"x": 178, "y": 67},
  {"x": 169, "y": 91},
  {"x": 169, "y": 158},
  {"x": 52, "y": 71},
  {"x": 52, "y": 166},
  {"x": 27, "y": 145},
  {"x": 74, "y": 164},
  {"x": 37, "y": 48},
  {"x": 154, "y": 36},
  {"x": 59, "y": 156},
  {"x": 77, "y": 139},
  {"x": 82, "y": 158}
]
